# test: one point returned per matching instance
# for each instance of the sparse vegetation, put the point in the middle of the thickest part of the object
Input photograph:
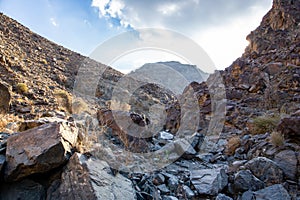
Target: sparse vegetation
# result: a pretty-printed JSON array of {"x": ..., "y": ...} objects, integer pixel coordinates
[
  {"x": 79, "y": 106},
  {"x": 277, "y": 139},
  {"x": 22, "y": 88},
  {"x": 64, "y": 100},
  {"x": 264, "y": 124},
  {"x": 233, "y": 143}
]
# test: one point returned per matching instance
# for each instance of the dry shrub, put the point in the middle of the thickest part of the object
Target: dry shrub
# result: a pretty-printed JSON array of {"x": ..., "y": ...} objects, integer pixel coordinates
[
  {"x": 22, "y": 88},
  {"x": 277, "y": 139},
  {"x": 232, "y": 145},
  {"x": 64, "y": 100},
  {"x": 5, "y": 119},
  {"x": 264, "y": 124},
  {"x": 79, "y": 106}
]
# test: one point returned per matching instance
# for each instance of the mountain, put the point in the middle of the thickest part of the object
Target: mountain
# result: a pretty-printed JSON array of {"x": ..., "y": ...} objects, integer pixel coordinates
[{"x": 233, "y": 136}]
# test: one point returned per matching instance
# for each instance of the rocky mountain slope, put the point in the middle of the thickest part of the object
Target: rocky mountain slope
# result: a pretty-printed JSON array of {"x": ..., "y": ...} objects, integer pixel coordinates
[{"x": 50, "y": 151}]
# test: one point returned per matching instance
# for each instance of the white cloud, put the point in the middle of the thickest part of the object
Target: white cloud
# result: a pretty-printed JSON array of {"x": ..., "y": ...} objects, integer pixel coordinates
[
  {"x": 168, "y": 9},
  {"x": 54, "y": 22}
]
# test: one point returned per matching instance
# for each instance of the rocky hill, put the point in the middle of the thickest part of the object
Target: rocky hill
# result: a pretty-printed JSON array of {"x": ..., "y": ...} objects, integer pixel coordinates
[{"x": 50, "y": 149}]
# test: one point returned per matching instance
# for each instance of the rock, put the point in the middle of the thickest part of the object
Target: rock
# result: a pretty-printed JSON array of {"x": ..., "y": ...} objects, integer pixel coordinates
[
  {"x": 5, "y": 98},
  {"x": 244, "y": 180},
  {"x": 26, "y": 189},
  {"x": 2, "y": 161},
  {"x": 184, "y": 148},
  {"x": 290, "y": 128},
  {"x": 163, "y": 188},
  {"x": 223, "y": 197},
  {"x": 169, "y": 198},
  {"x": 158, "y": 179},
  {"x": 90, "y": 179},
  {"x": 3, "y": 141},
  {"x": 165, "y": 136},
  {"x": 209, "y": 181},
  {"x": 39, "y": 150},
  {"x": 173, "y": 183},
  {"x": 188, "y": 193},
  {"x": 269, "y": 193},
  {"x": 287, "y": 161},
  {"x": 266, "y": 170}
]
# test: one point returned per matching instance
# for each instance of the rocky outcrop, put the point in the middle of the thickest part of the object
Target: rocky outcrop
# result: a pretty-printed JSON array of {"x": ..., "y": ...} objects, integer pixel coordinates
[
  {"x": 91, "y": 179},
  {"x": 38, "y": 150}
]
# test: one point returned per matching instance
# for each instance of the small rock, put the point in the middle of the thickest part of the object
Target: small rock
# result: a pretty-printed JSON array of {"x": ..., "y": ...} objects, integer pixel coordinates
[
  {"x": 184, "y": 148},
  {"x": 158, "y": 179},
  {"x": 163, "y": 188},
  {"x": 165, "y": 136},
  {"x": 223, "y": 197},
  {"x": 169, "y": 198},
  {"x": 188, "y": 192}
]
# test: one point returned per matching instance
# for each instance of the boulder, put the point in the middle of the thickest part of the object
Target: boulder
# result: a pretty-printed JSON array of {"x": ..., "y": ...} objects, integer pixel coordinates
[
  {"x": 273, "y": 192},
  {"x": 25, "y": 189},
  {"x": 290, "y": 128},
  {"x": 5, "y": 98},
  {"x": 2, "y": 161},
  {"x": 266, "y": 170},
  {"x": 244, "y": 180},
  {"x": 287, "y": 161},
  {"x": 209, "y": 181},
  {"x": 39, "y": 150},
  {"x": 85, "y": 178}
]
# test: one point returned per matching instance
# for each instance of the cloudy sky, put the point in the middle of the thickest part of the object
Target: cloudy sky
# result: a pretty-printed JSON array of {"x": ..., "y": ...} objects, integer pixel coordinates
[{"x": 218, "y": 26}]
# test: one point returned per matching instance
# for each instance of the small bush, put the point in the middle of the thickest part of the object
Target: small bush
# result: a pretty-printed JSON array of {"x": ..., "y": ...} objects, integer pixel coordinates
[
  {"x": 22, "y": 88},
  {"x": 232, "y": 145},
  {"x": 264, "y": 124},
  {"x": 277, "y": 139},
  {"x": 64, "y": 100}
]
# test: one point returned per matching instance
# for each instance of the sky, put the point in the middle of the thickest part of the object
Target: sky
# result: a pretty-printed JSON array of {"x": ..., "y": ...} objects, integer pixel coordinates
[{"x": 219, "y": 27}]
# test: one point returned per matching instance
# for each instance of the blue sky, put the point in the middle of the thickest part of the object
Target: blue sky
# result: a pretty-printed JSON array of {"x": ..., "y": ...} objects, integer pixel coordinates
[{"x": 218, "y": 26}]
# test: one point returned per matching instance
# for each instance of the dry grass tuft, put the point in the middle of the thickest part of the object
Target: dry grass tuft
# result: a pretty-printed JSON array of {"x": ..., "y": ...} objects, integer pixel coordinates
[
  {"x": 22, "y": 88},
  {"x": 264, "y": 124},
  {"x": 64, "y": 100},
  {"x": 232, "y": 145},
  {"x": 277, "y": 139}
]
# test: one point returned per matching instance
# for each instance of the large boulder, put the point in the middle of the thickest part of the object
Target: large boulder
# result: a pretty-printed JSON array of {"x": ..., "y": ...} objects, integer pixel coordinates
[
  {"x": 39, "y": 150},
  {"x": 85, "y": 178},
  {"x": 244, "y": 180},
  {"x": 5, "y": 98},
  {"x": 269, "y": 193},
  {"x": 209, "y": 181},
  {"x": 287, "y": 161},
  {"x": 25, "y": 189},
  {"x": 266, "y": 170}
]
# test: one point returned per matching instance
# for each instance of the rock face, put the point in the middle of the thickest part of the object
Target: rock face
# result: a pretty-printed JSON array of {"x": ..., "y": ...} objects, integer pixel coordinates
[
  {"x": 90, "y": 179},
  {"x": 5, "y": 98},
  {"x": 38, "y": 150}
]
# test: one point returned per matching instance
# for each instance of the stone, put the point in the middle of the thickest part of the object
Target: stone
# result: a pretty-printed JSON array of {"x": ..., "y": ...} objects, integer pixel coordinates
[
  {"x": 5, "y": 98},
  {"x": 158, "y": 179},
  {"x": 223, "y": 197},
  {"x": 273, "y": 192},
  {"x": 165, "y": 136},
  {"x": 3, "y": 141},
  {"x": 173, "y": 183},
  {"x": 2, "y": 161},
  {"x": 184, "y": 148},
  {"x": 85, "y": 178},
  {"x": 188, "y": 193},
  {"x": 39, "y": 150},
  {"x": 244, "y": 180},
  {"x": 287, "y": 161},
  {"x": 163, "y": 188},
  {"x": 266, "y": 170},
  {"x": 169, "y": 198},
  {"x": 25, "y": 189},
  {"x": 290, "y": 128},
  {"x": 209, "y": 181}
]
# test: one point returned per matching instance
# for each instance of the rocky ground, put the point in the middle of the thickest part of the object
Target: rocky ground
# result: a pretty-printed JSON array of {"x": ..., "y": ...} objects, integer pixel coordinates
[{"x": 56, "y": 144}]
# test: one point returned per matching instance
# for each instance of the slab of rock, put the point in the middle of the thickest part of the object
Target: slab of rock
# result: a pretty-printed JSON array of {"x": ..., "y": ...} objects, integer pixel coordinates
[
  {"x": 209, "y": 181},
  {"x": 25, "y": 189},
  {"x": 5, "y": 98},
  {"x": 290, "y": 128},
  {"x": 244, "y": 180},
  {"x": 287, "y": 161},
  {"x": 273, "y": 192},
  {"x": 39, "y": 150},
  {"x": 266, "y": 170},
  {"x": 90, "y": 179}
]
